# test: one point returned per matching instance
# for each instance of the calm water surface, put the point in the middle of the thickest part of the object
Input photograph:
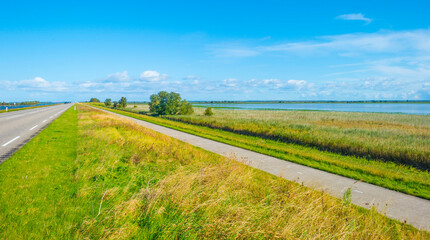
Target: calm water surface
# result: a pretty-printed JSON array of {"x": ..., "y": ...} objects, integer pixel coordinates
[
  {"x": 405, "y": 108},
  {"x": 22, "y": 106}
]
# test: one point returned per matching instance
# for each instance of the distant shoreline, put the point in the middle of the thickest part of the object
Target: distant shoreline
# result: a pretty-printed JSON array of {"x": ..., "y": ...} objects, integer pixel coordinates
[{"x": 293, "y": 102}]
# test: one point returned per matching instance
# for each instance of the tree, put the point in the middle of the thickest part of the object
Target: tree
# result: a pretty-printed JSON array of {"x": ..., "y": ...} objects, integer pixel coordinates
[
  {"x": 115, "y": 104},
  {"x": 122, "y": 102},
  {"x": 186, "y": 108},
  {"x": 94, "y": 100},
  {"x": 108, "y": 102},
  {"x": 208, "y": 112},
  {"x": 165, "y": 103}
]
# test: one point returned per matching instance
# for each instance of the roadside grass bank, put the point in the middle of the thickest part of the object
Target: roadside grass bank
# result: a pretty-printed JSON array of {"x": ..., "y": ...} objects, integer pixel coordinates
[
  {"x": 25, "y": 108},
  {"x": 386, "y": 174},
  {"x": 91, "y": 175},
  {"x": 398, "y": 138},
  {"x": 146, "y": 185},
  {"x": 38, "y": 187}
]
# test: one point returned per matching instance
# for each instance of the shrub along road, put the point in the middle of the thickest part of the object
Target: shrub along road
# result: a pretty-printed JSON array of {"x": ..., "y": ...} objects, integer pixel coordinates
[{"x": 403, "y": 207}]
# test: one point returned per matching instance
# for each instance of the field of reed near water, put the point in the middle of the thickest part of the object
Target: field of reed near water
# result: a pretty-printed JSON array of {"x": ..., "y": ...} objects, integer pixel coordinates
[{"x": 398, "y": 138}]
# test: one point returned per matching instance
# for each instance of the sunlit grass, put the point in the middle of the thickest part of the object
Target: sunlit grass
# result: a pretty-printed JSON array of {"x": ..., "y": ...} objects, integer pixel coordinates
[
  {"x": 154, "y": 186},
  {"x": 399, "y": 138},
  {"x": 111, "y": 179},
  {"x": 386, "y": 174},
  {"x": 38, "y": 187}
]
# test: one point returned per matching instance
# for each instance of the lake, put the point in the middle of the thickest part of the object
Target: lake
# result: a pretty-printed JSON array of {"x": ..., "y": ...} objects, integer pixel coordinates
[
  {"x": 404, "y": 108},
  {"x": 23, "y": 106}
]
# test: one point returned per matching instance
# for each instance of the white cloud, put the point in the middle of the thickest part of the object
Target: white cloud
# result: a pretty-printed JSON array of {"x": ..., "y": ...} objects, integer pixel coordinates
[
  {"x": 230, "y": 82},
  {"x": 36, "y": 84},
  {"x": 192, "y": 79},
  {"x": 118, "y": 77},
  {"x": 274, "y": 83},
  {"x": 297, "y": 83},
  {"x": 355, "y": 16},
  {"x": 152, "y": 76},
  {"x": 344, "y": 45}
]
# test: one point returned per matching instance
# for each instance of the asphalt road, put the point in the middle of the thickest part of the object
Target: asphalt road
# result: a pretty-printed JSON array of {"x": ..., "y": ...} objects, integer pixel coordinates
[
  {"x": 396, "y": 205},
  {"x": 17, "y": 128}
]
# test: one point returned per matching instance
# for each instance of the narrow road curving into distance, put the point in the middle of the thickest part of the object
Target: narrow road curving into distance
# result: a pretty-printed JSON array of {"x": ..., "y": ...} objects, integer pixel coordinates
[
  {"x": 17, "y": 128},
  {"x": 396, "y": 205}
]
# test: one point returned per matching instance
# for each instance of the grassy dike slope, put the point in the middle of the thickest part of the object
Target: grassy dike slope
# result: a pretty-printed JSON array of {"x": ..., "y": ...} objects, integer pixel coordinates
[
  {"x": 38, "y": 186},
  {"x": 126, "y": 181},
  {"x": 385, "y": 174}
]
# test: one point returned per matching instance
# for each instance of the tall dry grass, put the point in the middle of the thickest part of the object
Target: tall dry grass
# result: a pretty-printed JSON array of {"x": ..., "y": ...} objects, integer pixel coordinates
[
  {"x": 146, "y": 185},
  {"x": 403, "y": 139}
]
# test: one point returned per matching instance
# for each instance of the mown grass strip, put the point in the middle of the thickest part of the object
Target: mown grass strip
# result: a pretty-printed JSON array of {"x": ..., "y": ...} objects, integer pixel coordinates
[
  {"x": 386, "y": 174},
  {"x": 37, "y": 184}
]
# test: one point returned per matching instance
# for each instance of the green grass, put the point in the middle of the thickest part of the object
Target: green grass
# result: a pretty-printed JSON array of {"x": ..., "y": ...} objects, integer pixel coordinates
[
  {"x": 101, "y": 177},
  {"x": 403, "y": 139},
  {"x": 38, "y": 186},
  {"x": 386, "y": 174}
]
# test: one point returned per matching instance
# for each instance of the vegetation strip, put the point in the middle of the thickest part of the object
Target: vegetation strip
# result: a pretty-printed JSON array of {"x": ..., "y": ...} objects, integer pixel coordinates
[
  {"x": 367, "y": 135},
  {"x": 388, "y": 175},
  {"x": 109, "y": 178},
  {"x": 25, "y": 108},
  {"x": 37, "y": 184}
]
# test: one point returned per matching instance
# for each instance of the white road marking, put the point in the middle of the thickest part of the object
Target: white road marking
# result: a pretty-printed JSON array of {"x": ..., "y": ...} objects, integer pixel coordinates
[
  {"x": 358, "y": 191},
  {"x": 299, "y": 172},
  {"x": 33, "y": 127},
  {"x": 44, "y": 120},
  {"x": 4, "y": 145}
]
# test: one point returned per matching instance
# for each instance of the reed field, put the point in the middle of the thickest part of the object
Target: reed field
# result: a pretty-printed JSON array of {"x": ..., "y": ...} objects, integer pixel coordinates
[
  {"x": 398, "y": 138},
  {"x": 125, "y": 181},
  {"x": 390, "y": 175}
]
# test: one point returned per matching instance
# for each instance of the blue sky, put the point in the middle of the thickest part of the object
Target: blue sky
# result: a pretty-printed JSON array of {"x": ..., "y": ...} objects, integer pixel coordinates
[{"x": 215, "y": 50}]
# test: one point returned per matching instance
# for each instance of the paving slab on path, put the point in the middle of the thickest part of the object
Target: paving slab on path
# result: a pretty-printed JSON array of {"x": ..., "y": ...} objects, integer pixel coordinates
[{"x": 396, "y": 205}]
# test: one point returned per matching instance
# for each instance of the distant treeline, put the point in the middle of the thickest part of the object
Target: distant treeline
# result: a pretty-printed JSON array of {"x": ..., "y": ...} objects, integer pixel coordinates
[
  {"x": 323, "y": 101},
  {"x": 20, "y": 103}
]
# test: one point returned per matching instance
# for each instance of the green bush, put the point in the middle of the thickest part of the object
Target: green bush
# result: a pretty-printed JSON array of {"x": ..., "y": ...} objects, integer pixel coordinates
[
  {"x": 108, "y": 102},
  {"x": 208, "y": 112},
  {"x": 122, "y": 102},
  {"x": 165, "y": 103}
]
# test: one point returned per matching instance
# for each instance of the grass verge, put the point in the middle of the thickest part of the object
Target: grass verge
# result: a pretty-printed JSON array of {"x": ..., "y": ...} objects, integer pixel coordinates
[
  {"x": 108, "y": 178},
  {"x": 144, "y": 185},
  {"x": 386, "y": 174},
  {"x": 38, "y": 187}
]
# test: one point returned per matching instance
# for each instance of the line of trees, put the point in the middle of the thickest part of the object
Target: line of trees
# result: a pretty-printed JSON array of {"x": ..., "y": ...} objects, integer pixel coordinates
[
  {"x": 122, "y": 103},
  {"x": 163, "y": 103},
  {"x": 20, "y": 103}
]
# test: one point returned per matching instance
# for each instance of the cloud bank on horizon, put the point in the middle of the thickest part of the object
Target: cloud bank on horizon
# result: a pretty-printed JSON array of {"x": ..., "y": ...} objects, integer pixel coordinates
[{"x": 361, "y": 65}]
